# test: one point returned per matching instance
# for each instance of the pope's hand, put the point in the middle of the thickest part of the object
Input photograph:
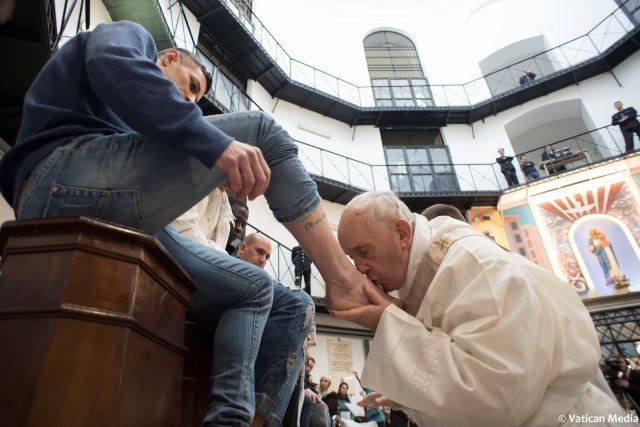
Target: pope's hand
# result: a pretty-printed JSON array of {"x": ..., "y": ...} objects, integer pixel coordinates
[
  {"x": 373, "y": 400},
  {"x": 369, "y": 315}
]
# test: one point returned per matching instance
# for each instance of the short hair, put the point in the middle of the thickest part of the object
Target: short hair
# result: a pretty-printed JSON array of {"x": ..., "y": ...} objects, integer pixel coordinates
[
  {"x": 377, "y": 207},
  {"x": 252, "y": 237},
  {"x": 191, "y": 60},
  {"x": 440, "y": 209}
]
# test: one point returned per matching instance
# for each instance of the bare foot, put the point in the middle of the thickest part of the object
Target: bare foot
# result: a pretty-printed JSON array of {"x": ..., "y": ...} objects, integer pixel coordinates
[{"x": 347, "y": 293}]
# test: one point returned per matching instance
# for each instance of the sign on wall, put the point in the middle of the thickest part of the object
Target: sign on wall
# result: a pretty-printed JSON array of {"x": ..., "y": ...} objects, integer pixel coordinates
[{"x": 340, "y": 355}]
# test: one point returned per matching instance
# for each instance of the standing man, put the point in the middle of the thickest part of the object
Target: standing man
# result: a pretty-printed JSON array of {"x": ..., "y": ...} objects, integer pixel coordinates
[
  {"x": 626, "y": 119},
  {"x": 485, "y": 336},
  {"x": 302, "y": 264},
  {"x": 507, "y": 168},
  {"x": 527, "y": 76}
]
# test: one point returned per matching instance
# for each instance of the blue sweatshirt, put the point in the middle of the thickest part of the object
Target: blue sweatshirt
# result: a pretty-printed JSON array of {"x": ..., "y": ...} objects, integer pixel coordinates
[{"x": 105, "y": 82}]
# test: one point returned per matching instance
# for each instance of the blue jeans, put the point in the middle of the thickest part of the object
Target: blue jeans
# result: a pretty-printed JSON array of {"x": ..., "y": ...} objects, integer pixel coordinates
[
  {"x": 234, "y": 299},
  {"x": 281, "y": 355},
  {"x": 131, "y": 180},
  {"x": 532, "y": 176}
]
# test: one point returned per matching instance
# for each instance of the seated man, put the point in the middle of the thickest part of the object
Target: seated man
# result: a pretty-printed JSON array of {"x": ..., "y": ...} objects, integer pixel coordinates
[
  {"x": 280, "y": 355},
  {"x": 486, "y": 337},
  {"x": 284, "y": 335},
  {"x": 110, "y": 129},
  {"x": 550, "y": 154},
  {"x": 529, "y": 168}
]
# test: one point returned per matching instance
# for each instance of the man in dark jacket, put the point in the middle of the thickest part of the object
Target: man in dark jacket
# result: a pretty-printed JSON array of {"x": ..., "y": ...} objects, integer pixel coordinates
[
  {"x": 302, "y": 264},
  {"x": 529, "y": 168},
  {"x": 626, "y": 119},
  {"x": 507, "y": 169},
  {"x": 527, "y": 76},
  {"x": 550, "y": 154}
]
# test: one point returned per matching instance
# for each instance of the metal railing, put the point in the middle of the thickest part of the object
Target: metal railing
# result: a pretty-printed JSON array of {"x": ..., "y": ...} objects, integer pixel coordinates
[
  {"x": 364, "y": 176},
  {"x": 602, "y": 143},
  {"x": 599, "y": 144},
  {"x": 568, "y": 55},
  {"x": 280, "y": 266}
]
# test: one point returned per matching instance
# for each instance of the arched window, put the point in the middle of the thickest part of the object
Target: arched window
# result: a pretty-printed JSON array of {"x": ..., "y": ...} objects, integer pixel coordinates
[{"x": 395, "y": 71}]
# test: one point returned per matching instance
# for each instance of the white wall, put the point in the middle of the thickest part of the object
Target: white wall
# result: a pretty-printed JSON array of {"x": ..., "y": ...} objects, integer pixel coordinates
[
  {"x": 451, "y": 37},
  {"x": 596, "y": 96},
  {"x": 362, "y": 142}
]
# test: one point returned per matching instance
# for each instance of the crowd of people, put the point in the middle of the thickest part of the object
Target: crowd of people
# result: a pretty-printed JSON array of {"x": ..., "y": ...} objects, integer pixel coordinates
[{"x": 466, "y": 333}]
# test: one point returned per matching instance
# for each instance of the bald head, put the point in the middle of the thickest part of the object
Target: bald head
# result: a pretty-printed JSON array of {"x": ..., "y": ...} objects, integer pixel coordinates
[
  {"x": 376, "y": 231},
  {"x": 255, "y": 249},
  {"x": 440, "y": 209}
]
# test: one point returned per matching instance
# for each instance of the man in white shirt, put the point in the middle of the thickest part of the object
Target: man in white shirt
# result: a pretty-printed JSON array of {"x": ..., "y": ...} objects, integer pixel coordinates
[{"x": 486, "y": 337}]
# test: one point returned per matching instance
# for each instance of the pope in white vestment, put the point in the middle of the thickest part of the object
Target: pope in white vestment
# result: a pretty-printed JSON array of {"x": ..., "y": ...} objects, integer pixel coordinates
[{"x": 486, "y": 337}]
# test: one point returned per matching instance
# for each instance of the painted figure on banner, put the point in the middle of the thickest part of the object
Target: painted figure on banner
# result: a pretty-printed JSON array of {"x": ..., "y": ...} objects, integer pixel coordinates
[{"x": 602, "y": 249}]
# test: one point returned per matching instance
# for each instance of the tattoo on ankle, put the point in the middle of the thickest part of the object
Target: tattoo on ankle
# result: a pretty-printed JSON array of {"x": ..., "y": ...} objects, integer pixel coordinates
[{"x": 310, "y": 224}]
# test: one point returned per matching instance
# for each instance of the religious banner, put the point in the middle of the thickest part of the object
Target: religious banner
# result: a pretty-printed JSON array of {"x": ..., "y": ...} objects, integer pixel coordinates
[{"x": 593, "y": 236}]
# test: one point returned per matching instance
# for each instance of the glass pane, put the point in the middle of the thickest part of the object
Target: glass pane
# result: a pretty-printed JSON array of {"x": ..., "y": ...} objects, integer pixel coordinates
[
  {"x": 395, "y": 156},
  {"x": 405, "y": 103},
  {"x": 417, "y": 156},
  {"x": 417, "y": 170},
  {"x": 440, "y": 156},
  {"x": 400, "y": 183},
  {"x": 402, "y": 92},
  {"x": 399, "y": 82},
  {"x": 384, "y": 103},
  {"x": 445, "y": 183},
  {"x": 421, "y": 92},
  {"x": 422, "y": 182}
]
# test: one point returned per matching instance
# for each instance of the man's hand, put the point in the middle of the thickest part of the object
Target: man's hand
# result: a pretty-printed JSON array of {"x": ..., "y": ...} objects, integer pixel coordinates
[
  {"x": 369, "y": 315},
  {"x": 314, "y": 397},
  {"x": 246, "y": 168},
  {"x": 623, "y": 119}
]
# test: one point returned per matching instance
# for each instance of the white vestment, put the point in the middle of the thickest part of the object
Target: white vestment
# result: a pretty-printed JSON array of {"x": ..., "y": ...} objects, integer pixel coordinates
[
  {"x": 208, "y": 222},
  {"x": 492, "y": 340}
]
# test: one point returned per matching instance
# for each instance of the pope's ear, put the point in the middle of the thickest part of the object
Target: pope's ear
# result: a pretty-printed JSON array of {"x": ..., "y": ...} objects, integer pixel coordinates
[{"x": 404, "y": 230}]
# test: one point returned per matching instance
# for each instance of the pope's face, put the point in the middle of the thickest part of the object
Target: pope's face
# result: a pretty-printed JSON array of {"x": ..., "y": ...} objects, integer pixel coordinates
[{"x": 381, "y": 253}]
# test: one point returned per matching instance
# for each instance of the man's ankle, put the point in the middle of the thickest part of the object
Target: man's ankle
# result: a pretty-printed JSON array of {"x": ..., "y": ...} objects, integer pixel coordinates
[{"x": 257, "y": 421}]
